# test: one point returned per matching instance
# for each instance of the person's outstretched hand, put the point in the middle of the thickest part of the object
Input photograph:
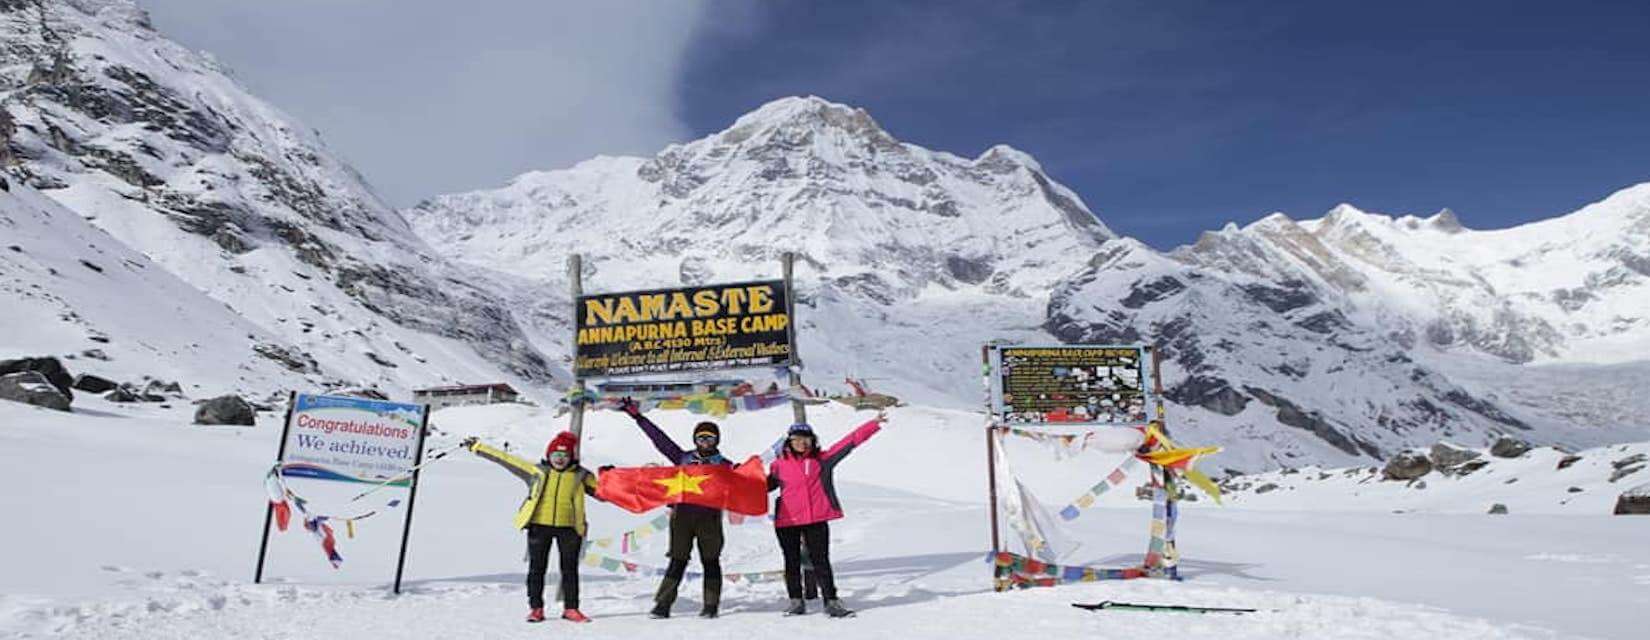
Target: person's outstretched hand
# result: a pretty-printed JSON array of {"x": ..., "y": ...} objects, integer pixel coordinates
[
  {"x": 469, "y": 443},
  {"x": 629, "y": 406},
  {"x": 882, "y": 417}
]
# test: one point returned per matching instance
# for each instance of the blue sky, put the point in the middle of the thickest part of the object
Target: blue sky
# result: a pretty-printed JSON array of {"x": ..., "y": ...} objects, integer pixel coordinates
[
  {"x": 1174, "y": 117},
  {"x": 1169, "y": 118}
]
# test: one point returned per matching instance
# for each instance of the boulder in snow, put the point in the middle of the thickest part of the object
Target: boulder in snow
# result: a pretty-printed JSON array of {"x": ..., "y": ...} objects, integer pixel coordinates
[
  {"x": 1447, "y": 456},
  {"x": 230, "y": 409},
  {"x": 1567, "y": 460},
  {"x": 1498, "y": 509},
  {"x": 1408, "y": 465},
  {"x": 121, "y": 394},
  {"x": 1509, "y": 447},
  {"x": 32, "y": 387},
  {"x": 94, "y": 384},
  {"x": 50, "y": 367},
  {"x": 1635, "y": 501}
]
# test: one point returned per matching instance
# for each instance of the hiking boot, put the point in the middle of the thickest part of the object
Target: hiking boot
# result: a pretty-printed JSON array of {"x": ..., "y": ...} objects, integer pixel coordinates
[
  {"x": 659, "y": 612},
  {"x": 574, "y": 615},
  {"x": 798, "y": 607},
  {"x": 707, "y": 612},
  {"x": 834, "y": 609},
  {"x": 536, "y": 615}
]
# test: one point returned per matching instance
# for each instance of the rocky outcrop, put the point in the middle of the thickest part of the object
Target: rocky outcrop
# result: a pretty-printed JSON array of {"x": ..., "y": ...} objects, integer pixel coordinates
[
  {"x": 32, "y": 387},
  {"x": 50, "y": 368},
  {"x": 229, "y": 410},
  {"x": 1446, "y": 457},
  {"x": 94, "y": 384},
  {"x": 1635, "y": 501},
  {"x": 1408, "y": 465},
  {"x": 1509, "y": 447}
]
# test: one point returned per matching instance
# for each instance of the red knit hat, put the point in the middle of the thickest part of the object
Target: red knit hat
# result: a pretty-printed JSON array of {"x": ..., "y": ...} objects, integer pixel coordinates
[{"x": 564, "y": 441}]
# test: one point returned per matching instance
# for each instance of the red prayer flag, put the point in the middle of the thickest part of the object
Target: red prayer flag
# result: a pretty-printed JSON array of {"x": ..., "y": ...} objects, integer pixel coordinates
[{"x": 742, "y": 489}]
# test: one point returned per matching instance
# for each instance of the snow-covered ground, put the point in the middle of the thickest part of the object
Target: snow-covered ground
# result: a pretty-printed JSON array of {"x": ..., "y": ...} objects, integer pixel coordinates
[{"x": 125, "y": 521}]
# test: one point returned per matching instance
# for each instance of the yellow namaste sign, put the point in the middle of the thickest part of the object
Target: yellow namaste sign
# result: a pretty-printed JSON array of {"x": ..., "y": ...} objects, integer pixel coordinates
[{"x": 682, "y": 483}]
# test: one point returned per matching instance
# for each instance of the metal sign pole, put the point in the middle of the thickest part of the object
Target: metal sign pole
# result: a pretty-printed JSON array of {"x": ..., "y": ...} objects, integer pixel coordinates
[
  {"x": 412, "y": 496},
  {"x": 799, "y": 412},
  {"x": 269, "y": 507},
  {"x": 575, "y": 283}
]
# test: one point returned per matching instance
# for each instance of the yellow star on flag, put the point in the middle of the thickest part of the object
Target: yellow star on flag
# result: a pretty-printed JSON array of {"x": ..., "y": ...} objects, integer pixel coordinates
[{"x": 682, "y": 483}]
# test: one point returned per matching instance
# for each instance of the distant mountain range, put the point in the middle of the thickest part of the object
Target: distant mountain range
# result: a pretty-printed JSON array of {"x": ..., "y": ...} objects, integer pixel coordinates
[{"x": 1347, "y": 337}]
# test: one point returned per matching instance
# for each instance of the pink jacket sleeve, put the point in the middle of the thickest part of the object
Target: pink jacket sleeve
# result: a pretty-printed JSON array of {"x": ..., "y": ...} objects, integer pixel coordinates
[{"x": 854, "y": 438}]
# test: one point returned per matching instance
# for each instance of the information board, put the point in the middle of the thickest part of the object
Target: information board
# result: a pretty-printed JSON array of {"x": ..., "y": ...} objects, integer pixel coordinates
[{"x": 1070, "y": 384}]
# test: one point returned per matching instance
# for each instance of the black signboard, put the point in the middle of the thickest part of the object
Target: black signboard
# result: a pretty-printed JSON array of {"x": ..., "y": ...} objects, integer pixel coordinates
[
  {"x": 722, "y": 326},
  {"x": 1070, "y": 384}
]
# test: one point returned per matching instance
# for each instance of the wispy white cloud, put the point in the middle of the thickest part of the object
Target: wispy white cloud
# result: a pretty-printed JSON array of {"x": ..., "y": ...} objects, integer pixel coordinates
[{"x": 432, "y": 97}]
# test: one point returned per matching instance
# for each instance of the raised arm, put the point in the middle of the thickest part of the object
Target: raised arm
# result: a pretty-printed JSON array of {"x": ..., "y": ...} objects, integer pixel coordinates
[
  {"x": 662, "y": 442},
  {"x": 526, "y": 471},
  {"x": 854, "y": 438}
]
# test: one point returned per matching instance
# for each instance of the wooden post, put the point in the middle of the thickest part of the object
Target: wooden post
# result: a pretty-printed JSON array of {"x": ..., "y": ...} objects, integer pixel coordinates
[
  {"x": 991, "y": 466},
  {"x": 269, "y": 508},
  {"x": 575, "y": 284},
  {"x": 799, "y": 411},
  {"x": 412, "y": 496}
]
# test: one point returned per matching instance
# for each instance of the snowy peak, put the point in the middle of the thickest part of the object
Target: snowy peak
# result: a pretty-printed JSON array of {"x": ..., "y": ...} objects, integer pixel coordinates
[{"x": 802, "y": 174}]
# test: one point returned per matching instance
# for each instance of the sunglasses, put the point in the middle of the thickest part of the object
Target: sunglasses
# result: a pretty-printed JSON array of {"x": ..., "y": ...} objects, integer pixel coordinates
[
  {"x": 560, "y": 455},
  {"x": 705, "y": 438}
]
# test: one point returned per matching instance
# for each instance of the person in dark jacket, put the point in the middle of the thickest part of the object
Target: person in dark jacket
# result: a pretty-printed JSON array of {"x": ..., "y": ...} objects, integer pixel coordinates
[
  {"x": 552, "y": 513},
  {"x": 807, "y": 502},
  {"x": 690, "y": 524}
]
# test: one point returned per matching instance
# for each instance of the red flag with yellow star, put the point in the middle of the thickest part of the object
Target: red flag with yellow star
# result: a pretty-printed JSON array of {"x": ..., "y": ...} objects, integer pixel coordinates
[{"x": 742, "y": 489}]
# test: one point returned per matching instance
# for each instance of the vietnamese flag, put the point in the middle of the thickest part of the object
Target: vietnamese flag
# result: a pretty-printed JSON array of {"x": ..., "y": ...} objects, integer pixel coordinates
[{"x": 742, "y": 489}]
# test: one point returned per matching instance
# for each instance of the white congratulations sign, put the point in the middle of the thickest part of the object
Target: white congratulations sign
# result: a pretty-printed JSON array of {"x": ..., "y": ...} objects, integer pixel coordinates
[{"x": 351, "y": 439}]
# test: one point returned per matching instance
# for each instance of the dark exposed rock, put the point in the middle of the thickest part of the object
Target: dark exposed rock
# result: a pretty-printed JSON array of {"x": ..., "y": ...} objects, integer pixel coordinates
[
  {"x": 1629, "y": 461},
  {"x": 122, "y": 394},
  {"x": 94, "y": 384},
  {"x": 1624, "y": 471},
  {"x": 1498, "y": 509},
  {"x": 229, "y": 409},
  {"x": 1290, "y": 414},
  {"x": 1291, "y": 295},
  {"x": 1509, "y": 447},
  {"x": 1408, "y": 465},
  {"x": 1470, "y": 466},
  {"x": 32, "y": 387},
  {"x": 1266, "y": 488},
  {"x": 1483, "y": 408},
  {"x": 1210, "y": 393},
  {"x": 161, "y": 388},
  {"x": 1324, "y": 322},
  {"x": 293, "y": 360},
  {"x": 50, "y": 367},
  {"x": 1566, "y": 461},
  {"x": 1635, "y": 501},
  {"x": 1142, "y": 294},
  {"x": 95, "y": 354},
  {"x": 971, "y": 271},
  {"x": 369, "y": 393}
]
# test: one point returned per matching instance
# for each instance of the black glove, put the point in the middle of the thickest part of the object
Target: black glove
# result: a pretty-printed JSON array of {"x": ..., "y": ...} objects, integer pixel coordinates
[
  {"x": 629, "y": 406},
  {"x": 603, "y": 468},
  {"x": 469, "y": 443}
]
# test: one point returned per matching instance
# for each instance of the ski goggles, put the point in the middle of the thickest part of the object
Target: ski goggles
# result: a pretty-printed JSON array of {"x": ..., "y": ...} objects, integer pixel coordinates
[{"x": 560, "y": 456}]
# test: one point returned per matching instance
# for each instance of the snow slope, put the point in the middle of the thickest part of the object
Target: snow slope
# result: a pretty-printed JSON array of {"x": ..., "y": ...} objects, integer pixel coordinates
[
  {"x": 70, "y": 287},
  {"x": 909, "y": 552},
  {"x": 161, "y": 148}
]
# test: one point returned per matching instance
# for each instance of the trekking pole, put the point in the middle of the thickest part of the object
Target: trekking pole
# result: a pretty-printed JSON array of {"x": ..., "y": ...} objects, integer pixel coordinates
[{"x": 409, "y": 472}]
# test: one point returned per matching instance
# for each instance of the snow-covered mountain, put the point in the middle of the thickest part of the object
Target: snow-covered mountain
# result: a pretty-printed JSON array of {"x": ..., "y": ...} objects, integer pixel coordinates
[
  {"x": 1320, "y": 341},
  {"x": 159, "y": 147},
  {"x": 909, "y": 259},
  {"x": 1353, "y": 336}
]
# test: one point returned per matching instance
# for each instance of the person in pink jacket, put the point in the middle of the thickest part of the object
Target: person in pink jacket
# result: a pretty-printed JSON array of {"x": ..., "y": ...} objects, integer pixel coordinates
[{"x": 807, "y": 502}]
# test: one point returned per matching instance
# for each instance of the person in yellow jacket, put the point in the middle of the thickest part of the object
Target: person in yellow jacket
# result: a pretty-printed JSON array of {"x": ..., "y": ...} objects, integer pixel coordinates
[{"x": 552, "y": 513}]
